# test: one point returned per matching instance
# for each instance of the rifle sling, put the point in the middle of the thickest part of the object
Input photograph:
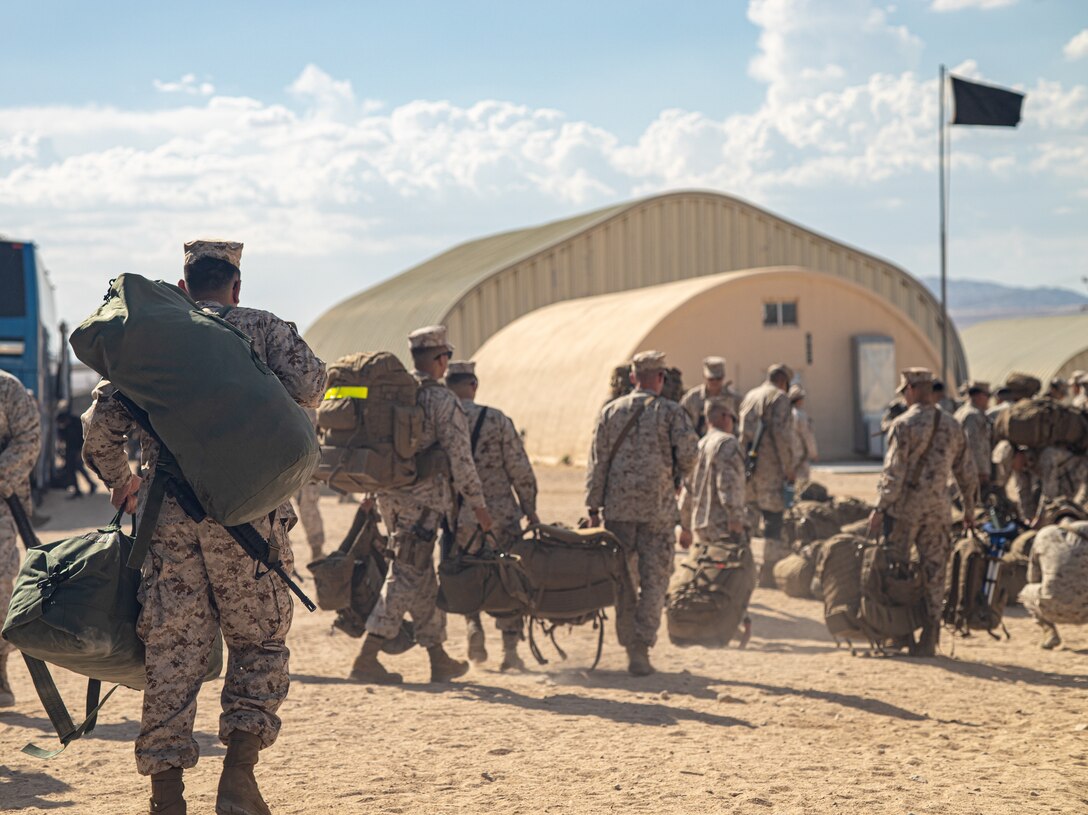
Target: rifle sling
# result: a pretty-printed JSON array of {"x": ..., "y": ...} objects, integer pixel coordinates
[{"x": 627, "y": 428}]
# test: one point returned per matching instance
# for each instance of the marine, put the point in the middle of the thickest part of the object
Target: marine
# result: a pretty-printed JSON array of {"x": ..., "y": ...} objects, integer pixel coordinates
[
  {"x": 805, "y": 450},
  {"x": 714, "y": 386},
  {"x": 20, "y": 444},
  {"x": 766, "y": 429},
  {"x": 914, "y": 509},
  {"x": 510, "y": 491},
  {"x": 1057, "y": 590},
  {"x": 641, "y": 444},
  {"x": 309, "y": 514},
  {"x": 415, "y": 515},
  {"x": 712, "y": 501},
  {"x": 197, "y": 582},
  {"x": 978, "y": 429}
]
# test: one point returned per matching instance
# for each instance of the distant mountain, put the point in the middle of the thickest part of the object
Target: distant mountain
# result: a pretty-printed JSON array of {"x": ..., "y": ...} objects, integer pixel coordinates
[{"x": 973, "y": 301}]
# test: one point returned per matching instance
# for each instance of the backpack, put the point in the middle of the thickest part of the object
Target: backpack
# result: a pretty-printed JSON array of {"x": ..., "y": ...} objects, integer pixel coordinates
[
  {"x": 976, "y": 588},
  {"x": 794, "y": 573},
  {"x": 850, "y": 510},
  {"x": 1015, "y": 565},
  {"x": 241, "y": 441},
  {"x": 1038, "y": 423},
  {"x": 838, "y": 571},
  {"x": 815, "y": 491},
  {"x": 708, "y": 595},
  {"x": 75, "y": 605},
  {"x": 809, "y": 521},
  {"x": 371, "y": 424},
  {"x": 892, "y": 601}
]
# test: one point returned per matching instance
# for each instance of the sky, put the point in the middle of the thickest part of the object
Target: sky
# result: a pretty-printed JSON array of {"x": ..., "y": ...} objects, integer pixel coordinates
[{"x": 344, "y": 142}]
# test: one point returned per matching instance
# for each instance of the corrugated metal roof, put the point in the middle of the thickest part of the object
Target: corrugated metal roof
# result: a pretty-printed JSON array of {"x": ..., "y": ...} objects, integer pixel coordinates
[
  {"x": 381, "y": 317},
  {"x": 1040, "y": 346}
]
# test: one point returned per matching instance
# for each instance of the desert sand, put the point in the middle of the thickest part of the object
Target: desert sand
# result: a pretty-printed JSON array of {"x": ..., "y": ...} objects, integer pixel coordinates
[{"x": 792, "y": 724}]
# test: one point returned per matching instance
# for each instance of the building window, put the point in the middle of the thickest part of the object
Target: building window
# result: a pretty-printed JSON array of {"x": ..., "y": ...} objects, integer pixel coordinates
[{"x": 780, "y": 313}]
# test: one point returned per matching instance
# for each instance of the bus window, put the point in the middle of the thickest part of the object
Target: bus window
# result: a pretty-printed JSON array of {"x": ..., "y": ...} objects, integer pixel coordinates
[{"x": 12, "y": 281}]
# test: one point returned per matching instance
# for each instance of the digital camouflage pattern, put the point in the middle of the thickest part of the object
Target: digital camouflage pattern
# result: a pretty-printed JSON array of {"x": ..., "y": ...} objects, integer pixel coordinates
[
  {"x": 20, "y": 443},
  {"x": 308, "y": 512},
  {"x": 714, "y": 493},
  {"x": 413, "y": 516},
  {"x": 196, "y": 574},
  {"x": 651, "y": 545},
  {"x": 978, "y": 431},
  {"x": 1063, "y": 474},
  {"x": 1057, "y": 590},
  {"x": 805, "y": 450},
  {"x": 694, "y": 402},
  {"x": 770, "y": 406},
  {"x": 920, "y": 512}
]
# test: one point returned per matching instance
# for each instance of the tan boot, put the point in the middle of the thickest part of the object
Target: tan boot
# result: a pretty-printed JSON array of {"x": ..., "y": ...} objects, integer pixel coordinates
[
  {"x": 477, "y": 647},
  {"x": 1051, "y": 638},
  {"x": 638, "y": 660},
  {"x": 167, "y": 790},
  {"x": 511, "y": 660},
  {"x": 238, "y": 793},
  {"x": 7, "y": 698},
  {"x": 927, "y": 641},
  {"x": 368, "y": 669},
  {"x": 443, "y": 666}
]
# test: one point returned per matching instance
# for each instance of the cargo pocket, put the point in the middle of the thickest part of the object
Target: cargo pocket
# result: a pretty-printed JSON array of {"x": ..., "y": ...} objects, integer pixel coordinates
[{"x": 407, "y": 430}]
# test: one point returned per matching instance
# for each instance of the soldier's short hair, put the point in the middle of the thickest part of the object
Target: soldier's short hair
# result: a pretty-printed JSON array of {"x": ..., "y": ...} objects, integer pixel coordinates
[
  {"x": 208, "y": 274},
  {"x": 461, "y": 379},
  {"x": 716, "y": 408}
]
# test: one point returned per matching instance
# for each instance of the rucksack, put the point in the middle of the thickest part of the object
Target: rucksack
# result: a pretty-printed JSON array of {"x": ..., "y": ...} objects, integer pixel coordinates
[
  {"x": 371, "y": 424},
  {"x": 815, "y": 491},
  {"x": 241, "y": 441},
  {"x": 850, "y": 510},
  {"x": 892, "y": 600},
  {"x": 1039, "y": 423},
  {"x": 709, "y": 593},
  {"x": 976, "y": 588},
  {"x": 794, "y": 573},
  {"x": 1016, "y": 564},
  {"x": 838, "y": 571},
  {"x": 74, "y": 604},
  {"x": 808, "y": 521}
]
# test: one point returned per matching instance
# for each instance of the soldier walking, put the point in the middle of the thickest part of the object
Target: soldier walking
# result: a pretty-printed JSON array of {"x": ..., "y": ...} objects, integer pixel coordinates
[
  {"x": 978, "y": 430},
  {"x": 712, "y": 502},
  {"x": 766, "y": 427},
  {"x": 20, "y": 443},
  {"x": 640, "y": 444},
  {"x": 714, "y": 387},
  {"x": 925, "y": 447},
  {"x": 510, "y": 490},
  {"x": 196, "y": 582},
  {"x": 414, "y": 515}
]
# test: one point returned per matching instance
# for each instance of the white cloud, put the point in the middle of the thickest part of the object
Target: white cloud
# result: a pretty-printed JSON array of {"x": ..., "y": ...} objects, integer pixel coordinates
[
  {"x": 188, "y": 84},
  {"x": 1077, "y": 48},
  {"x": 957, "y": 5}
]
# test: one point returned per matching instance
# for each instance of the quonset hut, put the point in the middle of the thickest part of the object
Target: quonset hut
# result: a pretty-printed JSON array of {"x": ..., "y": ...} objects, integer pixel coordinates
[{"x": 548, "y": 311}]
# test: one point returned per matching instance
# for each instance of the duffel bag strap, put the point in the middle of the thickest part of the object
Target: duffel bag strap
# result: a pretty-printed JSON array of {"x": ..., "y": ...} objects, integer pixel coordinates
[
  {"x": 67, "y": 730},
  {"x": 156, "y": 494}
]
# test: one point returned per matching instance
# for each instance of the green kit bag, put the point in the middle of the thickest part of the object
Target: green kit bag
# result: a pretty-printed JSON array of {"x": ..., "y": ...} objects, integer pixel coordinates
[
  {"x": 74, "y": 605},
  {"x": 242, "y": 443}
]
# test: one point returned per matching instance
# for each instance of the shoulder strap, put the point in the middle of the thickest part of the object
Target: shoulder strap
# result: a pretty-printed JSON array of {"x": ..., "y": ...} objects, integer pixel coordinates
[
  {"x": 67, "y": 730},
  {"x": 917, "y": 471},
  {"x": 156, "y": 494},
  {"x": 635, "y": 414},
  {"x": 477, "y": 428}
]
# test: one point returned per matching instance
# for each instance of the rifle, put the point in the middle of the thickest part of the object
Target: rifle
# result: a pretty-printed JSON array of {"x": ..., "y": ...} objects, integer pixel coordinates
[
  {"x": 168, "y": 478},
  {"x": 752, "y": 456}
]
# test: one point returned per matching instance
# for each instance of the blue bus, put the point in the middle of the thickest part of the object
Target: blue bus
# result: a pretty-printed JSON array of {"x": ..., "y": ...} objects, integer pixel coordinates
[{"x": 32, "y": 343}]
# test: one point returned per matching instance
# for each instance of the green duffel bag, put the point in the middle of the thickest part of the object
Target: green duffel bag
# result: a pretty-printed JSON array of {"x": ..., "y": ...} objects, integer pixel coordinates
[
  {"x": 157, "y": 347},
  {"x": 490, "y": 581},
  {"x": 74, "y": 605}
]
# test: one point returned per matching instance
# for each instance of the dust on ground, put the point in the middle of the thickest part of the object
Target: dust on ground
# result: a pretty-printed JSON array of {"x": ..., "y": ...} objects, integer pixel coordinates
[{"x": 792, "y": 724}]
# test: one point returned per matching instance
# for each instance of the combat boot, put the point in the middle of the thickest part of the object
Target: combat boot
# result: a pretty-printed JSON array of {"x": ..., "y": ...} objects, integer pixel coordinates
[
  {"x": 477, "y": 649},
  {"x": 368, "y": 669},
  {"x": 443, "y": 666},
  {"x": 7, "y": 698},
  {"x": 927, "y": 642},
  {"x": 167, "y": 790},
  {"x": 511, "y": 660},
  {"x": 238, "y": 793},
  {"x": 638, "y": 660},
  {"x": 1051, "y": 638}
]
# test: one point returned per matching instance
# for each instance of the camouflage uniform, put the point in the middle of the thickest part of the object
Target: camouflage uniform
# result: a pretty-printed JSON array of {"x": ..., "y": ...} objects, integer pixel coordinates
[
  {"x": 413, "y": 516},
  {"x": 804, "y": 448},
  {"x": 1021, "y": 486},
  {"x": 714, "y": 493},
  {"x": 637, "y": 493},
  {"x": 979, "y": 435},
  {"x": 308, "y": 512},
  {"x": 196, "y": 579},
  {"x": 20, "y": 443},
  {"x": 694, "y": 402},
  {"x": 1057, "y": 591},
  {"x": 1063, "y": 474},
  {"x": 920, "y": 513}
]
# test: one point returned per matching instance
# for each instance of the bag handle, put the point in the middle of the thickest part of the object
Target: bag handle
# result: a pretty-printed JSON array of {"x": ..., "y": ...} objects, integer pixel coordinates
[{"x": 67, "y": 730}]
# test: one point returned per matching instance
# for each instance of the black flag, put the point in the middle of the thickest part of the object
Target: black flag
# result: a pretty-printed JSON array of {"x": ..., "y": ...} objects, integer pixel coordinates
[{"x": 985, "y": 105}]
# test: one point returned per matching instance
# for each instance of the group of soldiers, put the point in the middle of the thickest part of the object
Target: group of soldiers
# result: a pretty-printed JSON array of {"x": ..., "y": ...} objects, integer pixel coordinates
[{"x": 707, "y": 465}]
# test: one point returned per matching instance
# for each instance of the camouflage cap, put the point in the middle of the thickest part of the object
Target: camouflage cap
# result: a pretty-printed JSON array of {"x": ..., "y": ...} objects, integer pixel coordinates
[
  {"x": 646, "y": 362},
  {"x": 461, "y": 368},
  {"x": 914, "y": 376},
  {"x": 1058, "y": 382},
  {"x": 976, "y": 386},
  {"x": 714, "y": 368},
  {"x": 719, "y": 403},
  {"x": 796, "y": 393},
  {"x": 230, "y": 251},
  {"x": 1078, "y": 378},
  {"x": 431, "y": 336},
  {"x": 1022, "y": 386},
  {"x": 780, "y": 368}
]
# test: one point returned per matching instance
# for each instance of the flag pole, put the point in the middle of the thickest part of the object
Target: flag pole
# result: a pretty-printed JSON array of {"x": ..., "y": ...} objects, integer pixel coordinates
[{"x": 944, "y": 235}]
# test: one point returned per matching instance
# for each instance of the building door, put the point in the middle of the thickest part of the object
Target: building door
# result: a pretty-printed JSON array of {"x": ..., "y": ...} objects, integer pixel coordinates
[{"x": 874, "y": 387}]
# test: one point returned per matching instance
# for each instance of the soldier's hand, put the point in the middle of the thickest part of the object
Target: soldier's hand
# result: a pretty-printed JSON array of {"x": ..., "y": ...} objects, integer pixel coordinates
[
  {"x": 876, "y": 521},
  {"x": 594, "y": 519},
  {"x": 684, "y": 538},
  {"x": 367, "y": 504},
  {"x": 969, "y": 520},
  {"x": 483, "y": 518},
  {"x": 124, "y": 497},
  {"x": 791, "y": 476},
  {"x": 532, "y": 518}
]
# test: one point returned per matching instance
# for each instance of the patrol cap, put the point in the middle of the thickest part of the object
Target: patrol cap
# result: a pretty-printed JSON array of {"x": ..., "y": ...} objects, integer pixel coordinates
[
  {"x": 914, "y": 376},
  {"x": 230, "y": 251},
  {"x": 647, "y": 362},
  {"x": 718, "y": 404},
  {"x": 972, "y": 386},
  {"x": 1022, "y": 386},
  {"x": 714, "y": 368},
  {"x": 461, "y": 368},
  {"x": 431, "y": 336},
  {"x": 780, "y": 368},
  {"x": 796, "y": 393}
]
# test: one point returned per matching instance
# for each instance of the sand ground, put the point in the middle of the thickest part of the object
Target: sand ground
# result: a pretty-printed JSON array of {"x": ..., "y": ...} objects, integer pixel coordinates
[{"x": 790, "y": 725}]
